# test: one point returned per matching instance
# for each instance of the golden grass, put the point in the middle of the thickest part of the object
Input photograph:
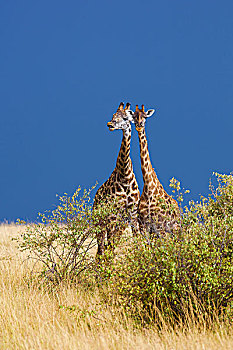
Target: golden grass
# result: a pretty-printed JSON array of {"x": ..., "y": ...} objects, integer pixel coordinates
[{"x": 33, "y": 318}]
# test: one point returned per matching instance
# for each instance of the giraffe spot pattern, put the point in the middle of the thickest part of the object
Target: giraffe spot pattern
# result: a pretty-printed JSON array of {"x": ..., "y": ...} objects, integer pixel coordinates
[{"x": 154, "y": 204}]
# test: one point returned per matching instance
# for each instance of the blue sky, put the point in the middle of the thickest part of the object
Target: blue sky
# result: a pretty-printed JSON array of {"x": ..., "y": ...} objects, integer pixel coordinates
[{"x": 66, "y": 65}]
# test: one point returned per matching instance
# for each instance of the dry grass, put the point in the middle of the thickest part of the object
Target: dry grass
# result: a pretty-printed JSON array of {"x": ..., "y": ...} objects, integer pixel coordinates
[{"x": 33, "y": 318}]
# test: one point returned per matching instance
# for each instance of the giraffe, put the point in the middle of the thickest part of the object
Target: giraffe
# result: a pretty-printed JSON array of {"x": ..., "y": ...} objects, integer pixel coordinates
[
  {"x": 122, "y": 184},
  {"x": 158, "y": 213}
]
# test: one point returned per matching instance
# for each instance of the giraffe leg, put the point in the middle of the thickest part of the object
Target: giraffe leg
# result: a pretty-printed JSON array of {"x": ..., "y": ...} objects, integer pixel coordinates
[
  {"x": 113, "y": 237},
  {"x": 110, "y": 239},
  {"x": 133, "y": 220},
  {"x": 100, "y": 242},
  {"x": 135, "y": 227}
]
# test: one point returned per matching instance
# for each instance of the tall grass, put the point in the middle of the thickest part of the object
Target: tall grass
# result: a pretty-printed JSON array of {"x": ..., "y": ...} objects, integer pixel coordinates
[{"x": 34, "y": 317}]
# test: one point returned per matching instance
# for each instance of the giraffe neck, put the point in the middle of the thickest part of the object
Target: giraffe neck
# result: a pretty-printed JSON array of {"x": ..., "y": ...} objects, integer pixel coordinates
[
  {"x": 148, "y": 173},
  {"x": 124, "y": 163}
]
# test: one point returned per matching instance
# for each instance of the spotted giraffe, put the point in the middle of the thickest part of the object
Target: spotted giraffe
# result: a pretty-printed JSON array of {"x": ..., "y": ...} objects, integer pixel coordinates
[
  {"x": 122, "y": 184},
  {"x": 158, "y": 213}
]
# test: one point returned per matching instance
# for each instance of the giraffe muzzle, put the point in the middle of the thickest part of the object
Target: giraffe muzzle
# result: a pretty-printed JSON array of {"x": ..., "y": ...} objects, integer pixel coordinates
[
  {"x": 111, "y": 127},
  {"x": 139, "y": 128}
]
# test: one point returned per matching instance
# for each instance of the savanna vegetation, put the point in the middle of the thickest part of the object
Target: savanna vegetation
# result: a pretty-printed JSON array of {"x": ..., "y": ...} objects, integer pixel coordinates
[{"x": 152, "y": 292}]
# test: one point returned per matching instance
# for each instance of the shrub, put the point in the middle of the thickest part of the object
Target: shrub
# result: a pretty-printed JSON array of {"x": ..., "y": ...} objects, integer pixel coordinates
[
  {"x": 190, "y": 271},
  {"x": 150, "y": 277},
  {"x": 63, "y": 241}
]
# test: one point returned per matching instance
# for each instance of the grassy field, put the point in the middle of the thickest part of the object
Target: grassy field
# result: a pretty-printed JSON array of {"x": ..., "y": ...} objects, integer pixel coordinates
[{"x": 31, "y": 317}]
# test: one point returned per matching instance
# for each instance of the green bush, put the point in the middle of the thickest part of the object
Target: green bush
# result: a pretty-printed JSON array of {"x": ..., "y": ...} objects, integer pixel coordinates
[
  {"x": 191, "y": 271},
  {"x": 63, "y": 241},
  {"x": 150, "y": 277}
]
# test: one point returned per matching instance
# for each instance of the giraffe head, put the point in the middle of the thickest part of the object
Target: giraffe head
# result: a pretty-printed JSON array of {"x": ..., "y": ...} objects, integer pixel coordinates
[
  {"x": 121, "y": 119},
  {"x": 139, "y": 117}
]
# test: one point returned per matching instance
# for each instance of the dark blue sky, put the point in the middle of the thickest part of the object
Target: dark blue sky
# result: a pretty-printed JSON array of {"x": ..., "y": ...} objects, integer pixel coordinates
[{"x": 66, "y": 65}]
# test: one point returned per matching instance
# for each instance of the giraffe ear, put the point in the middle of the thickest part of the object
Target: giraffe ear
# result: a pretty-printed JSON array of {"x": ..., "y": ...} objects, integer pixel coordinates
[
  {"x": 150, "y": 112},
  {"x": 129, "y": 115}
]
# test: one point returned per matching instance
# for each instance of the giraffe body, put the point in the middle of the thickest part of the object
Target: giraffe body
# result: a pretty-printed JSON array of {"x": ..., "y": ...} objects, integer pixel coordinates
[
  {"x": 157, "y": 211},
  {"x": 122, "y": 184}
]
